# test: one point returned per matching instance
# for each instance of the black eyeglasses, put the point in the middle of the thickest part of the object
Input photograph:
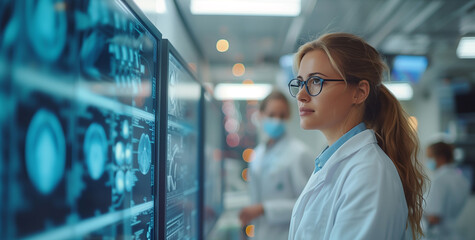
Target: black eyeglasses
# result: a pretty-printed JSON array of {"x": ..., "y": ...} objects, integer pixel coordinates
[{"x": 313, "y": 85}]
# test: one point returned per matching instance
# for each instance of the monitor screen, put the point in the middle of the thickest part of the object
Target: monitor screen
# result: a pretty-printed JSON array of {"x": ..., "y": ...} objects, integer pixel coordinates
[
  {"x": 465, "y": 102},
  {"x": 81, "y": 120},
  {"x": 407, "y": 68},
  {"x": 182, "y": 213},
  {"x": 213, "y": 176},
  {"x": 467, "y": 170}
]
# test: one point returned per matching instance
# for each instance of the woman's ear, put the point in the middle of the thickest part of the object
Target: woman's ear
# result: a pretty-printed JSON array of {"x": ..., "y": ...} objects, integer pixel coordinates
[{"x": 362, "y": 92}]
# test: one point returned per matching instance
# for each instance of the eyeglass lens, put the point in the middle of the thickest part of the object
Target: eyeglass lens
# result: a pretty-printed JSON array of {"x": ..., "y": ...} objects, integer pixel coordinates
[{"x": 313, "y": 86}]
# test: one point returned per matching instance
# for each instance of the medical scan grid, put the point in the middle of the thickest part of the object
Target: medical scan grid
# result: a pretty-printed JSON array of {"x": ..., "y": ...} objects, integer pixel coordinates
[
  {"x": 182, "y": 195},
  {"x": 79, "y": 88}
]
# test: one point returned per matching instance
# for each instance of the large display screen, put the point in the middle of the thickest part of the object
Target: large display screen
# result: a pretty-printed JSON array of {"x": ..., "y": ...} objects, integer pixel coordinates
[
  {"x": 213, "y": 176},
  {"x": 182, "y": 211},
  {"x": 78, "y": 93}
]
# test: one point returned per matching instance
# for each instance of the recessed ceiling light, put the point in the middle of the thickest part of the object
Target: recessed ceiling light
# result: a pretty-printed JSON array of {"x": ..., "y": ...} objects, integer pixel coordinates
[
  {"x": 228, "y": 91},
  {"x": 157, "y": 6},
  {"x": 466, "y": 48},
  {"x": 402, "y": 91},
  {"x": 246, "y": 7}
]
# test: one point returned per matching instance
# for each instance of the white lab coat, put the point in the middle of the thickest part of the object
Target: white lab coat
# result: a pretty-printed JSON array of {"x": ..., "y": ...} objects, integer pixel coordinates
[
  {"x": 276, "y": 178},
  {"x": 356, "y": 195},
  {"x": 446, "y": 198}
]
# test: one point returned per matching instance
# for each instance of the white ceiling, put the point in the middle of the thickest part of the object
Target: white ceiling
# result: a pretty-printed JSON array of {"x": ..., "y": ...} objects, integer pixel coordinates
[{"x": 427, "y": 27}]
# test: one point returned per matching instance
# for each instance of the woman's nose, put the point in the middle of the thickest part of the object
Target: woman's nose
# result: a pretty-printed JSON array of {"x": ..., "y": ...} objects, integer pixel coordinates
[{"x": 302, "y": 95}]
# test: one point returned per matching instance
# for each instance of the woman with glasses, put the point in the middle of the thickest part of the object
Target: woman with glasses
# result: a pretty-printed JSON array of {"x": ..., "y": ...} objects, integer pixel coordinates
[
  {"x": 278, "y": 172},
  {"x": 367, "y": 183}
]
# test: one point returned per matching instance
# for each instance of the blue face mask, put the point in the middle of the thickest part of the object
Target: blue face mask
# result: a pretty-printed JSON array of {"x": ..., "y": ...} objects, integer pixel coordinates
[
  {"x": 431, "y": 164},
  {"x": 274, "y": 128}
]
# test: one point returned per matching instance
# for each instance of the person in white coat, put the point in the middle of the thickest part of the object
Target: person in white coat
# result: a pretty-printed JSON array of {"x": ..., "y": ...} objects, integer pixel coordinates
[
  {"x": 368, "y": 182},
  {"x": 448, "y": 193},
  {"x": 278, "y": 171}
]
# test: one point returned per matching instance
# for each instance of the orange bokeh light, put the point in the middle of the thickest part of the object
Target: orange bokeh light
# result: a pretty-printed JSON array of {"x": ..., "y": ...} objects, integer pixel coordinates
[
  {"x": 250, "y": 230},
  {"x": 238, "y": 69},
  {"x": 244, "y": 174},
  {"x": 246, "y": 154},
  {"x": 222, "y": 45},
  {"x": 248, "y": 81}
]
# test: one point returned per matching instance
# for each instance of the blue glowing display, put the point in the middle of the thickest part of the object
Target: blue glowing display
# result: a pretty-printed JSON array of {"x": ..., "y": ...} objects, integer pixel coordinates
[
  {"x": 182, "y": 206},
  {"x": 78, "y": 91},
  {"x": 408, "y": 68}
]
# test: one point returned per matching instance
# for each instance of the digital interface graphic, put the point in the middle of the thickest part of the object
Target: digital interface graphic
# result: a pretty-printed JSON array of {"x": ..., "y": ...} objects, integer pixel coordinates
[
  {"x": 182, "y": 180},
  {"x": 78, "y": 85}
]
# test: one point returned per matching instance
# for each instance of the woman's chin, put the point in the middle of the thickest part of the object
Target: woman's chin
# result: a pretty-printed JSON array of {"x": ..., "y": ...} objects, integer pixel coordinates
[{"x": 305, "y": 126}]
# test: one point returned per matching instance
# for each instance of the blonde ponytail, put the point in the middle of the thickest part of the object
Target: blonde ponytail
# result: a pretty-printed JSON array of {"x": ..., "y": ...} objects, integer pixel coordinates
[{"x": 399, "y": 141}]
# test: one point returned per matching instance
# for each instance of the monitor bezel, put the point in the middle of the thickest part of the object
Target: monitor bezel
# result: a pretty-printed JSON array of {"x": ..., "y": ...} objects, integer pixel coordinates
[{"x": 215, "y": 103}]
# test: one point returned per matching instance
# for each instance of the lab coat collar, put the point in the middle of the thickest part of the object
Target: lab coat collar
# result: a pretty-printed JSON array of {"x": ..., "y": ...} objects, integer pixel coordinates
[
  {"x": 329, "y": 151},
  {"x": 262, "y": 152},
  {"x": 349, "y": 147},
  {"x": 444, "y": 168},
  {"x": 277, "y": 142}
]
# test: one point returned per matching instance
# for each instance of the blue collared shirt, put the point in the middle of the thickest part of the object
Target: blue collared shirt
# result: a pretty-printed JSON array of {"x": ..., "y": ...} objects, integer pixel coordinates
[{"x": 328, "y": 151}]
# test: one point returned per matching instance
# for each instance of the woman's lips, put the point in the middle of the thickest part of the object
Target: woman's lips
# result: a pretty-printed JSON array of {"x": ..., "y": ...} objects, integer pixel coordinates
[{"x": 305, "y": 111}]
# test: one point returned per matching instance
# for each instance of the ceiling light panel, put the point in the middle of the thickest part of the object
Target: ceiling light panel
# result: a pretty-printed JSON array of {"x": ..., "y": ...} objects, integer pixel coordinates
[
  {"x": 466, "y": 48},
  {"x": 402, "y": 91},
  {"x": 246, "y": 7},
  {"x": 227, "y": 91}
]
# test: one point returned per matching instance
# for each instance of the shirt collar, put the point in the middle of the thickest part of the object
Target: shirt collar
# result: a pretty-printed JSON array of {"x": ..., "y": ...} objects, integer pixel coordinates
[{"x": 328, "y": 151}]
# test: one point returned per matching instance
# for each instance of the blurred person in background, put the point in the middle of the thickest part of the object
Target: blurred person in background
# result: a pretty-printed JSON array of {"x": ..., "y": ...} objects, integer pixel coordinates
[
  {"x": 368, "y": 183},
  {"x": 278, "y": 171},
  {"x": 448, "y": 193}
]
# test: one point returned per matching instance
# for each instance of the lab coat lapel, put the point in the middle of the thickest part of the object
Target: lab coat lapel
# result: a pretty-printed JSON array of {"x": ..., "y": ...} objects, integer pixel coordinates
[
  {"x": 317, "y": 179},
  {"x": 351, "y": 146}
]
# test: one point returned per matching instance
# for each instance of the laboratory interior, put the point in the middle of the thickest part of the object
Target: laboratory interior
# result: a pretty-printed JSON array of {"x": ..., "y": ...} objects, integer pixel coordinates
[{"x": 143, "y": 119}]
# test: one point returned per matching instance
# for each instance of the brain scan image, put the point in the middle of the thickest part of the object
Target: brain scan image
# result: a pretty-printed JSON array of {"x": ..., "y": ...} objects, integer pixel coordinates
[
  {"x": 145, "y": 151},
  {"x": 47, "y": 27},
  {"x": 45, "y": 151},
  {"x": 95, "y": 150}
]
